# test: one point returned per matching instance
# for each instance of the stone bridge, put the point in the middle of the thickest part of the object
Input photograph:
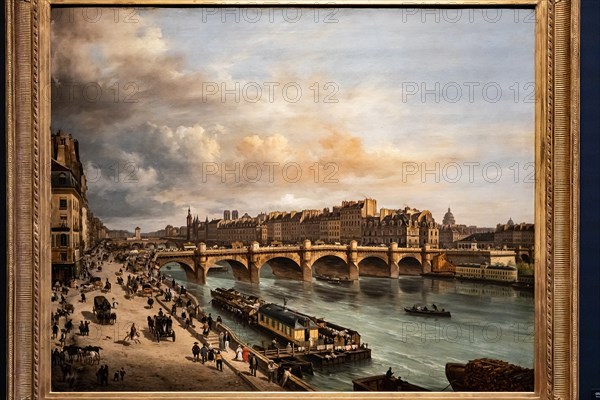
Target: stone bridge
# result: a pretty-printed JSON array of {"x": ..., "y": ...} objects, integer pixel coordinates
[
  {"x": 148, "y": 243},
  {"x": 299, "y": 262}
]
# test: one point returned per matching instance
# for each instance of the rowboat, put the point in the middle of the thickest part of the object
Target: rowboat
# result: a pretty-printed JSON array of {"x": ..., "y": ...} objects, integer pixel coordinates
[{"x": 428, "y": 313}]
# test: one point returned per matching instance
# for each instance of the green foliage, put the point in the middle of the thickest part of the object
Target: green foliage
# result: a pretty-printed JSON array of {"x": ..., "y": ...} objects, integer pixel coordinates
[{"x": 524, "y": 269}]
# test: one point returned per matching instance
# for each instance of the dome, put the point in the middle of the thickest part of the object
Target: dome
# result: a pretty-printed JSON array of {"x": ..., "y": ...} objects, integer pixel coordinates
[
  {"x": 510, "y": 222},
  {"x": 449, "y": 218}
]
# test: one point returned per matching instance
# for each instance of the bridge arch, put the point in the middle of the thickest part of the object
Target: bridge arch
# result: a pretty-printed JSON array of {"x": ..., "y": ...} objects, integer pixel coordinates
[
  {"x": 282, "y": 267},
  {"x": 170, "y": 244},
  {"x": 239, "y": 268},
  {"x": 332, "y": 266},
  {"x": 410, "y": 265},
  {"x": 374, "y": 265},
  {"x": 186, "y": 264}
]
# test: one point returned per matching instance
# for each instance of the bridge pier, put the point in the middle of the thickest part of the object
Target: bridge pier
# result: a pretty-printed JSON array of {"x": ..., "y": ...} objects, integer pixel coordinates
[
  {"x": 201, "y": 275},
  {"x": 306, "y": 271},
  {"x": 394, "y": 270},
  {"x": 253, "y": 273},
  {"x": 353, "y": 271}
]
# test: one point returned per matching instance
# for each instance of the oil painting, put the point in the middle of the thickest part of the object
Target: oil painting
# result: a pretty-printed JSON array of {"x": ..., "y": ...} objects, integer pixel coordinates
[
  {"x": 282, "y": 200},
  {"x": 292, "y": 199}
]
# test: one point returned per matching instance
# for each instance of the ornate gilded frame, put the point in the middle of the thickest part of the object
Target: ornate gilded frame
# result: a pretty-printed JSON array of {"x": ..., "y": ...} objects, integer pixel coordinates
[{"x": 556, "y": 200}]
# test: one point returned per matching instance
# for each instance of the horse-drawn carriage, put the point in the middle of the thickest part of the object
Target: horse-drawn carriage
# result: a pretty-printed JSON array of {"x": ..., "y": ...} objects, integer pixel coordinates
[
  {"x": 102, "y": 310},
  {"x": 163, "y": 327},
  {"x": 96, "y": 281},
  {"x": 146, "y": 289}
]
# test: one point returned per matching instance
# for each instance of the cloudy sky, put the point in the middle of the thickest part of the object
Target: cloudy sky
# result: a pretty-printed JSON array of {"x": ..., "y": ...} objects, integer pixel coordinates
[{"x": 271, "y": 109}]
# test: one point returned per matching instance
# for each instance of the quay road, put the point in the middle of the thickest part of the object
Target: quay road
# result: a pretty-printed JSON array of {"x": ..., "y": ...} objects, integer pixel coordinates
[{"x": 149, "y": 366}]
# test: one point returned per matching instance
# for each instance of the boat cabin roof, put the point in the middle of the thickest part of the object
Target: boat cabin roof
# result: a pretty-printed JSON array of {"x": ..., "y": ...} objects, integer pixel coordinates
[{"x": 286, "y": 316}]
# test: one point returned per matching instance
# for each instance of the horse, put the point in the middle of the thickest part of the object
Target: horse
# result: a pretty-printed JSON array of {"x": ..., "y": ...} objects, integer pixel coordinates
[
  {"x": 71, "y": 351},
  {"x": 93, "y": 356}
]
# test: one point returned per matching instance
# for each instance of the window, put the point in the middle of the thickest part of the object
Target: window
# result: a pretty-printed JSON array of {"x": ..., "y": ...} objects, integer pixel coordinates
[
  {"x": 63, "y": 220},
  {"x": 62, "y": 178},
  {"x": 63, "y": 203},
  {"x": 63, "y": 256},
  {"x": 64, "y": 240}
]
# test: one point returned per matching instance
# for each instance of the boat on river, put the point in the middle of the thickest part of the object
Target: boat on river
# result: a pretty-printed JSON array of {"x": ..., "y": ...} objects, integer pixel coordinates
[
  {"x": 428, "y": 312},
  {"x": 333, "y": 279},
  {"x": 239, "y": 304},
  {"x": 322, "y": 341},
  {"x": 381, "y": 383}
]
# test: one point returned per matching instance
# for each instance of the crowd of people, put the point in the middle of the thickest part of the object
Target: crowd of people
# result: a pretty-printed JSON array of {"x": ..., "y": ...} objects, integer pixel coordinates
[{"x": 183, "y": 309}]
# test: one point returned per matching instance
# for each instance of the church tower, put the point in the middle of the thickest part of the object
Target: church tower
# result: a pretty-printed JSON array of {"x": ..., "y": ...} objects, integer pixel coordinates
[{"x": 189, "y": 224}]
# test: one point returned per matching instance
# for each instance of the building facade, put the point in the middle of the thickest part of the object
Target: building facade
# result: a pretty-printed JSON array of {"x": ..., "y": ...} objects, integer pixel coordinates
[
  {"x": 487, "y": 272},
  {"x": 74, "y": 229},
  {"x": 352, "y": 214},
  {"x": 512, "y": 236},
  {"x": 407, "y": 227},
  {"x": 357, "y": 220}
]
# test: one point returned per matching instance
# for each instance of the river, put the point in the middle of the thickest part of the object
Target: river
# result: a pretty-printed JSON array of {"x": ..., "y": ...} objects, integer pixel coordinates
[{"x": 488, "y": 320}]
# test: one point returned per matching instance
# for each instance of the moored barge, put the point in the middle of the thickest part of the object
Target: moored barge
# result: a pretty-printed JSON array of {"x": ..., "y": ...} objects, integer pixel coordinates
[
  {"x": 242, "y": 305},
  {"x": 311, "y": 338}
]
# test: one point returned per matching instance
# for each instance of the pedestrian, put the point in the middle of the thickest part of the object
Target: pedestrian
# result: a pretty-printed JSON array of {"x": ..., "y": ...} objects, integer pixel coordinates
[
  {"x": 204, "y": 353},
  {"x": 132, "y": 332},
  {"x": 253, "y": 364},
  {"x": 150, "y": 302},
  {"x": 54, "y": 331},
  {"x": 226, "y": 341},
  {"x": 272, "y": 369},
  {"x": 196, "y": 351},
  {"x": 238, "y": 353},
  {"x": 122, "y": 373},
  {"x": 211, "y": 354},
  {"x": 82, "y": 297},
  {"x": 286, "y": 376},
  {"x": 221, "y": 341},
  {"x": 205, "y": 329},
  {"x": 99, "y": 374},
  {"x": 105, "y": 374},
  {"x": 245, "y": 352},
  {"x": 116, "y": 376},
  {"x": 209, "y": 321},
  {"x": 219, "y": 360}
]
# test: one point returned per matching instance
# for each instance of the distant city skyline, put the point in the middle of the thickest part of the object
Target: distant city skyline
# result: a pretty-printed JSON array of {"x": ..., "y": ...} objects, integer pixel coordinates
[
  {"x": 177, "y": 108},
  {"x": 241, "y": 214}
]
